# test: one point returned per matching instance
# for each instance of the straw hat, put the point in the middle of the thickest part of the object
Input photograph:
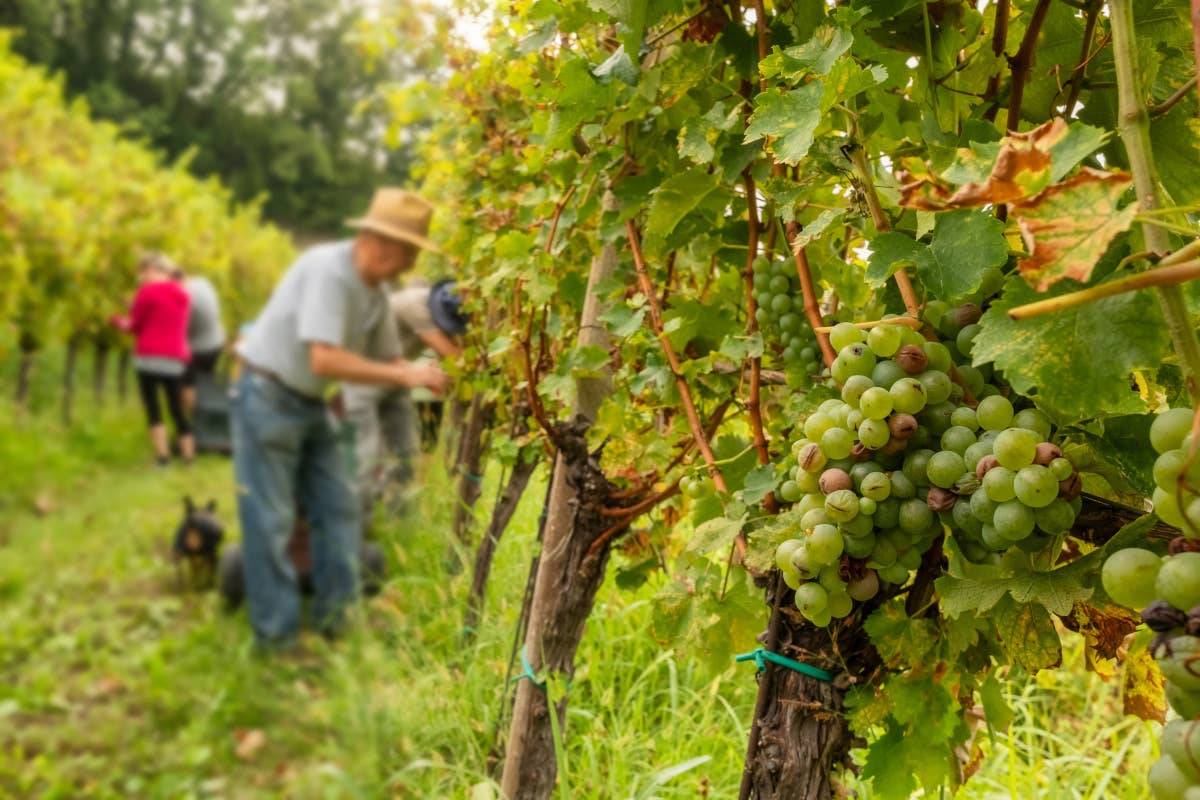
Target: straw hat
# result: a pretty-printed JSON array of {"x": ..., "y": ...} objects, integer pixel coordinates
[{"x": 398, "y": 214}]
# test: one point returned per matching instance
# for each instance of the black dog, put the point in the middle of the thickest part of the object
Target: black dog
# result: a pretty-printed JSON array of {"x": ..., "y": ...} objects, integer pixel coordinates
[{"x": 197, "y": 544}]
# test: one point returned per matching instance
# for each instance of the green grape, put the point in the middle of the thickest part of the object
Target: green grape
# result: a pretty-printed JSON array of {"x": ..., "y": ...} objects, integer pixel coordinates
[
  {"x": 965, "y": 417},
  {"x": 861, "y": 525},
  {"x": 830, "y": 405},
  {"x": 811, "y": 599},
  {"x": 841, "y": 415},
  {"x": 811, "y": 458},
  {"x": 908, "y": 395},
  {"x": 861, "y": 470},
  {"x": 876, "y": 403},
  {"x": 791, "y": 322},
  {"x": 902, "y": 486},
  {"x": 812, "y": 501},
  {"x": 1179, "y": 661},
  {"x": 992, "y": 540},
  {"x": 964, "y": 518},
  {"x": 803, "y": 564},
  {"x": 866, "y": 506},
  {"x": 761, "y": 265},
  {"x": 830, "y": 578},
  {"x": 808, "y": 482},
  {"x": 994, "y": 413},
  {"x": 971, "y": 377},
  {"x": 837, "y": 443},
  {"x": 1178, "y": 580},
  {"x": 915, "y": 515},
  {"x": 785, "y": 551},
  {"x": 911, "y": 336},
  {"x": 934, "y": 310},
  {"x": 937, "y": 386},
  {"x": 1034, "y": 420},
  {"x": 982, "y": 506},
  {"x": 1181, "y": 741},
  {"x": 874, "y": 433},
  {"x": 780, "y": 285},
  {"x": 858, "y": 546},
  {"x": 1061, "y": 469},
  {"x": 790, "y": 491},
  {"x": 1129, "y": 577},
  {"x": 781, "y": 303},
  {"x": 916, "y": 467},
  {"x": 989, "y": 437},
  {"x": 854, "y": 387},
  {"x": 697, "y": 487},
  {"x": 886, "y": 373},
  {"x": 937, "y": 355},
  {"x": 910, "y": 559},
  {"x": 1013, "y": 520},
  {"x": 998, "y": 484},
  {"x": 966, "y": 338},
  {"x": 958, "y": 439},
  {"x": 1169, "y": 428},
  {"x": 791, "y": 577},
  {"x": 1167, "y": 507},
  {"x": 1186, "y": 703},
  {"x": 975, "y": 452},
  {"x": 884, "y": 340},
  {"x": 1015, "y": 448},
  {"x": 858, "y": 358},
  {"x": 1055, "y": 518},
  {"x": 842, "y": 505},
  {"x": 840, "y": 604},
  {"x": 1167, "y": 469},
  {"x": 854, "y": 419},
  {"x": 945, "y": 467},
  {"x": 875, "y": 486},
  {"x": 937, "y": 418},
  {"x": 1035, "y": 486},
  {"x": 845, "y": 334},
  {"x": 887, "y": 513},
  {"x": 840, "y": 370},
  {"x": 884, "y": 552},
  {"x": 813, "y": 518},
  {"x": 895, "y": 573}
]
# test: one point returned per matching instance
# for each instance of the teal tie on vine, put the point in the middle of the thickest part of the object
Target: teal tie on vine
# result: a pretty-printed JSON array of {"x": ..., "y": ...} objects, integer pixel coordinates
[
  {"x": 527, "y": 673},
  {"x": 760, "y": 657}
]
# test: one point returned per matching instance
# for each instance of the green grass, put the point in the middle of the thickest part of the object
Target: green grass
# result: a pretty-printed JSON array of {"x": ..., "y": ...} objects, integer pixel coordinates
[{"x": 113, "y": 683}]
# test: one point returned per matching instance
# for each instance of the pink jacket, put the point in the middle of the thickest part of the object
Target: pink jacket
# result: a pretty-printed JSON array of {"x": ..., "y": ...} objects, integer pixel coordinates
[{"x": 158, "y": 317}]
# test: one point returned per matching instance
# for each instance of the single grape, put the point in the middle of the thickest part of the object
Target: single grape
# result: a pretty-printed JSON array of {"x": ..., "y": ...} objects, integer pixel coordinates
[
  {"x": 886, "y": 373},
  {"x": 874, "y": 433},
  {"x": 876, "y": 403},
  {"x": 908, "y": 395},
  {"x": 937, "y": 386},
  {"x": 840, "y": 604},
  {"x": 916, "y": 467},
  {"x": 811, "y": 598},
  {"x": 971, "y": 377},
  {"x": 895, "y": 573},
  {"x": 1035, "y": 486},
  {"x": 1033, "y": 420},
  {"x": 965, "y": 417},
  {"x": 902, "y": 486},
  {"x": 884, "y": 340},
  {"x": 836, "y": 443},
  {"x": 865, "y": 587},
  {"x": 858, "y": 546},
  {"x": 915, "y": 516},
  {"x": 994, "y": 413},
  {"x": 945, "y": 467},
  {"x": 966, "y": 338},
  {"x": 964, "y": 518},
  {"x": 845, "y": 334},
  {"x": 814, "y": 517},
  {"x": 811, "y": 458},
  {"x": 875, "y": 486},
  {"x": 1013, "y": 520},
  {"x": 937, "y": 418},
  {"x": 761, "y": 265},
  {"x": 816, "y": 424},
  {"x": 1167, "y": 507},
  {"x": 784, "y": 552},
  {"x": 841, "y": 505},
  {"x": 983, "y": 507},
  {"x": 1129, "y": 577},
  {"x": 1179, "y": 660},
  {"x": 779, "y": 284},
  {"x": 1178, "y": 580},
  {"x": 803, "y": 564},
  {"x": 976, "y": 453},
  {"x": 1015, "y": 448},
  {"x": 790, "y": 491},
  {"x": 938, "y": 356},
  {"x": 866, "y": 507},
  {"x": 1055, "y": 518},
  {"x": 887, "y": 513},
  {"x": 1181, "y": 741},
  {"x": 1061, "y": 469},
  {"x": 998, "y": 484},
  {"x": 958, "y": 439},
  {"x": 1169, "y": 428},
  {"x": 854, "y": 387}
]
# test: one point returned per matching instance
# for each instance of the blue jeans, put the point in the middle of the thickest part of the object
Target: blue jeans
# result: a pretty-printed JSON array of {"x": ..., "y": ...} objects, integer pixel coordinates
[{"x": 286, "y": 455}]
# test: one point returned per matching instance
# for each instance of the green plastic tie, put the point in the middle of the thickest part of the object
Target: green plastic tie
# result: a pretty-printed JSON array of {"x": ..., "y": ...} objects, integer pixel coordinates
[
  {"x": 471, "y": 476},
  {"x": 528, "y": 673},
  {"x": 760, "y": 657}
]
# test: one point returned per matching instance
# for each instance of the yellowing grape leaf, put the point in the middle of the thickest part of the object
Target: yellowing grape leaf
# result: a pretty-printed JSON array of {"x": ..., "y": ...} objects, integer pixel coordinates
[
  {"x": 1068, "y": 227},
  {"x": 1142, "y": 686}
]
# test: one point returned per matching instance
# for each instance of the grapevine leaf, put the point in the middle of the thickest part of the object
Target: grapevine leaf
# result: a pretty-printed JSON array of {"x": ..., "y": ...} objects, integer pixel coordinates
[
  {"x": 900, "y": 639},
  {"x": 1124, "y": 444},
  {"x": 1068, "y": 227},
  {"x": 996, "y": 709},
  {"x": 739, "y": 346},
  {"x": 1055, "y": 355},
  {"x": 676, "y": 197},
  {"x": 1104, "y": 631},
  {"x": 620, "y": 66},
  {"x": 1027, "y": 635},
  {"x": 759, "y": 483},
  {"x": 1176, "y": 139},
  {"x": 818, "y": 226},
  {"x": 674, "y": 609},
  {"x": 889, "y": 252},
  {"x": 716, "y": 534},
  {"x": 965, "y": 245},
  {"x": 1057, "y": 590},
  {"x": 848, "y": 79},
  {"x": 869, "y": 707},
  {"x": 1142, "y": 686},
  {"x": 788, "y": 119},
  {"x": 961, "y": 595},
  {"x": 818, "y": 55},
  {"x": 1080, "y": 142},
  {"x": 761, "y": 543},
  {"x": 889, "y": 763}
]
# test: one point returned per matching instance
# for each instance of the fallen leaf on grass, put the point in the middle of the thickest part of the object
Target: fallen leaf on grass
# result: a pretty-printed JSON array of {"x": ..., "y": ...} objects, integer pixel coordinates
[{"x": 249, "y": 742}]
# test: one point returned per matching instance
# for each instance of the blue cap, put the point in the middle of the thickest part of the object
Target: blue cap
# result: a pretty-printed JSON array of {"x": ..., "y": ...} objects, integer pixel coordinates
[{"x": 446, "y": 307}]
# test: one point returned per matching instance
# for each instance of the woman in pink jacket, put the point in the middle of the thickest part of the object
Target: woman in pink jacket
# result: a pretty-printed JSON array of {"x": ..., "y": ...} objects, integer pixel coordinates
[{"x": 158, "y": 318}]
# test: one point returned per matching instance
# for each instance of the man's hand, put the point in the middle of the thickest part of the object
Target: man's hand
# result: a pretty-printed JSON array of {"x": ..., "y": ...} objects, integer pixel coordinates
[{"x": 429, "y": 376}]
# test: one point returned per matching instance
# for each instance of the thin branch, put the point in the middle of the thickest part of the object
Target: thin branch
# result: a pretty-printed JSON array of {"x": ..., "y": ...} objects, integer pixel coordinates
[
  {"x": 753, "y": 405},
  {"x": 1085, "y": 54},
  {"x": 811, "y": 308},
  {"x": 685, "y": 392},
  {"x": 1169, "y": 103},
  {"x": 908, "y": 322},
  {"x": 1022, "y": 64},
  {"x": 999, "y": 43},
  {"x": 1163, "y": 276},
  {"x": 558, "y": 210}
]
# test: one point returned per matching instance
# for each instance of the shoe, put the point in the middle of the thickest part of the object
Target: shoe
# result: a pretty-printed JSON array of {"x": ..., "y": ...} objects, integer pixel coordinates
[{"x": 163, "y": 461}]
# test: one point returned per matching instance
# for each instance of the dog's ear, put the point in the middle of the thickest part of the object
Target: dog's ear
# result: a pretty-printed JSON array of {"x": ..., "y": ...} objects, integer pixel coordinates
[
  {"x": 211, "y": 507},
  {"x": 188, "y": 505}
]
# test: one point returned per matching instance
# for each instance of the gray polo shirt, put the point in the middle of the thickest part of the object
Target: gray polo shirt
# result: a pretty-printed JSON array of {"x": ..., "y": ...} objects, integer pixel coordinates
[
  {"x": 321, "y": 299},
  {"x": 205, "y": 332}
]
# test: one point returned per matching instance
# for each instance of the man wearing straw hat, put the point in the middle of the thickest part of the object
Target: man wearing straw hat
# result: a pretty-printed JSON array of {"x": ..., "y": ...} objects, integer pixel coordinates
[{"x": 326, "y": 321}]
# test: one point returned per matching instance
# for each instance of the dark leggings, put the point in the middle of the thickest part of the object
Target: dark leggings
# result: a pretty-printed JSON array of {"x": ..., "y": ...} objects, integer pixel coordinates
[{"x": 172, "y": 385}]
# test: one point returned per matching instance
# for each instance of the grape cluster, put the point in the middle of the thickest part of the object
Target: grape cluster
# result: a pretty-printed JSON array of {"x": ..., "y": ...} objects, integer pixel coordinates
[
  {"x": 780, "y": 316},
  {"x": 1168, "y": 589},
  {"x": 883, "y": 471}
]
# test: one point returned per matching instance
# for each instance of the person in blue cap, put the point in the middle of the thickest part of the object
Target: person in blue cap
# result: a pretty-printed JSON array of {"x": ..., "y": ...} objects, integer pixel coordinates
[{"x": 385, "y": 420}]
